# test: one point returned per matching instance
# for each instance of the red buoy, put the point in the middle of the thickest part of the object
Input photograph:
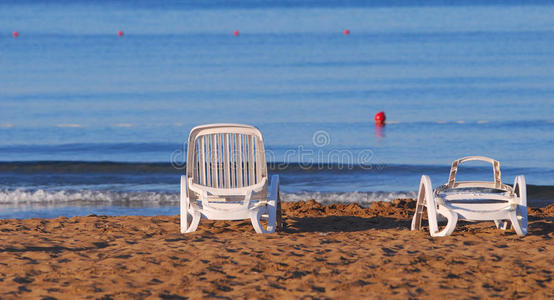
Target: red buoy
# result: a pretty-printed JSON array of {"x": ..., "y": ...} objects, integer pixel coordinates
[
  {"x": 236, "y": 33},
  {"x": 380, "y": 118},
  {"x": 346, "y": 32},
  {"x": 15, "y": 34},
  {"x": 120, "y": 33}
]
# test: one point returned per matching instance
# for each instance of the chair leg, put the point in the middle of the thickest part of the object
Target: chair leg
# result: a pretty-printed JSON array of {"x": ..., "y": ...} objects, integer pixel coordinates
[
  {"x": 425, "y": 197},
  {"x": 422, "y": 195},
  {"x": 256, "y": 215},
  {"x": 184, "y": 205},
  {"x": 519, "y": 216},
  {"x": 452, "y": 218},
  {"x": 190, "y": 222},
  {"x": 274, "y": 198},
  {"x": 189, "y": 218},
  {"x": 184, "y": 214},
  {"x": 195, "y": 220},
  {"x": 502, "y": 224},
  {"x": 279, "y": 225}
]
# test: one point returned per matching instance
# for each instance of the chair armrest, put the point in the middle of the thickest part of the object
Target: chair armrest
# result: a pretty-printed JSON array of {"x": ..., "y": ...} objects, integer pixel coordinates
[{"x": 199, "y": 189}]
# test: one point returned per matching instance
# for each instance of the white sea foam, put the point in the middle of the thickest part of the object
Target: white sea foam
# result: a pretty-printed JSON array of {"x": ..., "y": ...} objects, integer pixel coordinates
[
  {"x": 22, "y": 197},
  {"x": 361, "y": 198},
  {"x": 70, "y": 125}
]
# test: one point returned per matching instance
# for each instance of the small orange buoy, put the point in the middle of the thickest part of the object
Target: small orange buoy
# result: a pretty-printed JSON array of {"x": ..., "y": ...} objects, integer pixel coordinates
[
  {"x": 346, "y": 32},
  {"x": 236, "y": 33},
  {"x": 15, "y": 34},
  {"x": 120, "y": 33},
  {"x": 380, "y": 118}
]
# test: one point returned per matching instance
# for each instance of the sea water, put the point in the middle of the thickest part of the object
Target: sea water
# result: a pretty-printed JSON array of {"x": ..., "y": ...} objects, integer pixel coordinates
[{"x": 91, "y": 122}]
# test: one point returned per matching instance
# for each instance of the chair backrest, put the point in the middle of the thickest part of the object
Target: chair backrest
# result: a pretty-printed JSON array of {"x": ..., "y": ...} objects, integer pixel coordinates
[
  {"x": 226, "y": 156},
  {"x": 495, "y": 184}
]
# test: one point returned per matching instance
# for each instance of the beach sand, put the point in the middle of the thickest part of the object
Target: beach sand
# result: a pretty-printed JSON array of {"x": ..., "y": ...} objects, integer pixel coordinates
[{"x": 336, "y": 251}]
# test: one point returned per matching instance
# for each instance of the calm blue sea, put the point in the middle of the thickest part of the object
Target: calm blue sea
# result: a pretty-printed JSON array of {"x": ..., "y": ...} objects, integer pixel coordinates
[{"x": 91, "y": 122}]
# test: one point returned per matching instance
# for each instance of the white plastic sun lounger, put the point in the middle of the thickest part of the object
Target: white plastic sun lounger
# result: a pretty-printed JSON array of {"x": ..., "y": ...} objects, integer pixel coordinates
[
  {"x": 473, "y": 201},
  {"x": 226, "y": 178}
]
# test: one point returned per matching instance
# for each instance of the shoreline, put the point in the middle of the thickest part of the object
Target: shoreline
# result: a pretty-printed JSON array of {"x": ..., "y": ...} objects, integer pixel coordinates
[
  {"x": 52, "y": 204},
  {"x": 333, "y": 251}
]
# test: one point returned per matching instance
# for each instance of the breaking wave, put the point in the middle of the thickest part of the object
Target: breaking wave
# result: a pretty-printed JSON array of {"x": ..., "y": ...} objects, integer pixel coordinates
[{"x": 20, "y": 197}]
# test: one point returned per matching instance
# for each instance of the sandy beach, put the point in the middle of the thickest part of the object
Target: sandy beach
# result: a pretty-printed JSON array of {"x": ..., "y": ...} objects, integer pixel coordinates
[{"x": 336, "y": 251}]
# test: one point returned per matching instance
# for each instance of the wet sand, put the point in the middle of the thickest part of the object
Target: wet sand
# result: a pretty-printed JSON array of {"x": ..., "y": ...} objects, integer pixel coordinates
[{"x": 336, "y": 251}]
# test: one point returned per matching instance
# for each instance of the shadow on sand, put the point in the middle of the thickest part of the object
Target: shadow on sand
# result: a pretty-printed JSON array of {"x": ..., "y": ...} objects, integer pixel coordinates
[{"x": 343, "y": 224}]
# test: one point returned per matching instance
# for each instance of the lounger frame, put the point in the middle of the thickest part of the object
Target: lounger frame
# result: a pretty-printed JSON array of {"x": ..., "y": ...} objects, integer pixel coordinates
[{"x": 472, "y": 201}]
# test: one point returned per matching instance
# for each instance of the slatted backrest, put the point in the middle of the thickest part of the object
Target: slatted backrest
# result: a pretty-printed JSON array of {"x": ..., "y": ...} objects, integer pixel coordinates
[
  {"x": 496, "y": 183},
  {"x": 226, "y": 156}
]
